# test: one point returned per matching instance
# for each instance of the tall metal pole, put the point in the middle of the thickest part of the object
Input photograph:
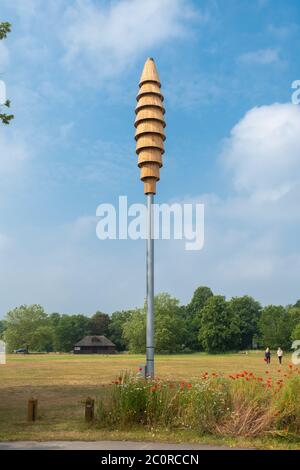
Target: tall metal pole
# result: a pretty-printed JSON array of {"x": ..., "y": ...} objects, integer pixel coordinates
[
  {"x": 150, "y": 137},
  {"x": 150, "y": 290}
]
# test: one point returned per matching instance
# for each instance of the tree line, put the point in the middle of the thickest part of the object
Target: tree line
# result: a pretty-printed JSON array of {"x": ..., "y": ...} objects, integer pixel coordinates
[{"x": 208, "y": 323}]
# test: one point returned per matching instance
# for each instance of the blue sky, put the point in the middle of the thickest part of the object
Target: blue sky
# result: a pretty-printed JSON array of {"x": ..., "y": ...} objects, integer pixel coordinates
[{"x": 233, "y": 137}]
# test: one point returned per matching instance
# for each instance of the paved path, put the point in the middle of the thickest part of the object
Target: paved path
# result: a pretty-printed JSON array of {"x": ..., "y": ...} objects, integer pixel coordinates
[{"x": 104, "y": 445}]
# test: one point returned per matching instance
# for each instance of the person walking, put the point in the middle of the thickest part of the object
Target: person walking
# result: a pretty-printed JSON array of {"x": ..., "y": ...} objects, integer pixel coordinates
[
  {"x": 279, "y": 355},
  {"x": 268, "y": 356}
]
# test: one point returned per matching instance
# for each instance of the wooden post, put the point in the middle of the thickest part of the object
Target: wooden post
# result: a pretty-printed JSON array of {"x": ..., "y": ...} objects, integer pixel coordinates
[
  {"x": 32, "y": 409},
  {"x": 89, "y": 409}
]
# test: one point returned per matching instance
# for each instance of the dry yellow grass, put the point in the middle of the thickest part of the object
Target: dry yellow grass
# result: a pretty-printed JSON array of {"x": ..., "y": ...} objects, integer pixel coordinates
[
  {"x": 68, "y": 369},
  {"x": 61, "y": 382}
]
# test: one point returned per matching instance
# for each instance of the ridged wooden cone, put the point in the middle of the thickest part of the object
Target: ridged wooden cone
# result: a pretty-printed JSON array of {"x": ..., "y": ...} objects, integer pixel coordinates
[{"x": 150, "y": 126}]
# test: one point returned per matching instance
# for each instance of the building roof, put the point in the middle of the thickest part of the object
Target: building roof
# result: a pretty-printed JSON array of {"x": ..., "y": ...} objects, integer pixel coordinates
[{"x": 95, "y": 341}]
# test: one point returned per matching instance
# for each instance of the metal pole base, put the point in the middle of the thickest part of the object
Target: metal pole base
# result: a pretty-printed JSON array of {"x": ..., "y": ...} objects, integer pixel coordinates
[{"x": 150, "y": 290}]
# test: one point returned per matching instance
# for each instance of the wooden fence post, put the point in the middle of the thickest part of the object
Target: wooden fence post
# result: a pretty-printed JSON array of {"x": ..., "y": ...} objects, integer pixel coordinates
[
  {"x": 89, "y": 409},
  {"x": 32, "y": 409}
]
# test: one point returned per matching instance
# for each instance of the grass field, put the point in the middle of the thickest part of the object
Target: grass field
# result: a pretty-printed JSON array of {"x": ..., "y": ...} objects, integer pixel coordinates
[{"x": 62, "y": 382}]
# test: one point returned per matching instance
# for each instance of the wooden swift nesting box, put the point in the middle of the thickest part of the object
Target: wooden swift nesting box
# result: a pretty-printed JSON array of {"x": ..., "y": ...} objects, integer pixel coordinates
[{"x": 150, "y": 126}]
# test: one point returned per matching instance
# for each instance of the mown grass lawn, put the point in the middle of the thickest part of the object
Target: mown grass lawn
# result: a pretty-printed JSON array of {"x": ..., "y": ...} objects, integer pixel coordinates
[{"x": 61, "y": 382}]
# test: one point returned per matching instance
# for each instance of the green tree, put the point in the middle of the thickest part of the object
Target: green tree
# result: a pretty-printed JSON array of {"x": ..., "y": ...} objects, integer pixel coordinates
[
  {"x": 248, "y": 311},
  {"x": 219, "y": 330},
  {"x": 296, "y": 333},
  {"x": 169, "y": 327},
  {"x": 276, "y": 327},
  {"x": 69, "y": 330},
  {"x": 294, "y": 316},
  {"x": 22, "y": 326},
  {"x": 297, "y": 304},
  {"x": 169, "y": 323},
  {"x": 200, "y": 296},
  {"x": 134, "y": 331},
  {"x": 54, "y": 319},
  {"x": 193, "y": 316},
  {"x": 5, "y": 28},
  {"x": 99, "y": 324},
  {"x": 43, "y": 338},
  {"x": 2, "y": 328},
  {"x": 115, "y": 328},
  {"x": 4, "y": 117}
]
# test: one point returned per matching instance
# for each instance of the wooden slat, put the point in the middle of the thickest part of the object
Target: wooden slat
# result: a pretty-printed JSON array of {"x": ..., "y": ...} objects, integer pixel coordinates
[
  {"x": 149, "y": 100},
  {"x": 150, "y": 170},
  {"x": 150, "y": 155},
  {"x": 146, "y": 127},
  {"x": 147, "y": 88},
  {"x": 150, "y": 186},
  {"x": 150, "y": 140},
  {"x": 151, "y": 112}
]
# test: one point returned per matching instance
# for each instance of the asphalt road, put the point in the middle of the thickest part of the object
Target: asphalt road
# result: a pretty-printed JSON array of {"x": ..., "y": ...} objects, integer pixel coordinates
[{"x": 103, "y": 445}]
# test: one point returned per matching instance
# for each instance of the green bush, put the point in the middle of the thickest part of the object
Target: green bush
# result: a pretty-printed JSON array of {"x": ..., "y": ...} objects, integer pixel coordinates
[
  {"x": 132, "y": 400},
  {"x": 287, "y": 406}
]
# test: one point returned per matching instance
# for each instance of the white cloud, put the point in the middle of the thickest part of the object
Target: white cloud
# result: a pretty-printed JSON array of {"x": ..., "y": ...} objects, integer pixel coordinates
[
  {"x": 101, "y": 41},
  {"x": 261, "y": 57},
  {"x": 193, "y": 91},
  {"x": 112, "y": 166},
  {"x": 66, "y": 129},
  {"x": 251, "y": 237},
  {"x": 282, "y": 31},
  {"x": 4, "y": 57},
  {"x": 13, "y": 151},
  {"x": 262, "y": 152},
  {"x": 262, "y": 3},
  {"x": 248, "y": 246},
  {"x": 5, "y": 242},
  {"x": 83, "y": 227},
  {"x": 251, "y": 243},
  {"x": 67, "y": 269},
  {"x": 25, "y": 10}
]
